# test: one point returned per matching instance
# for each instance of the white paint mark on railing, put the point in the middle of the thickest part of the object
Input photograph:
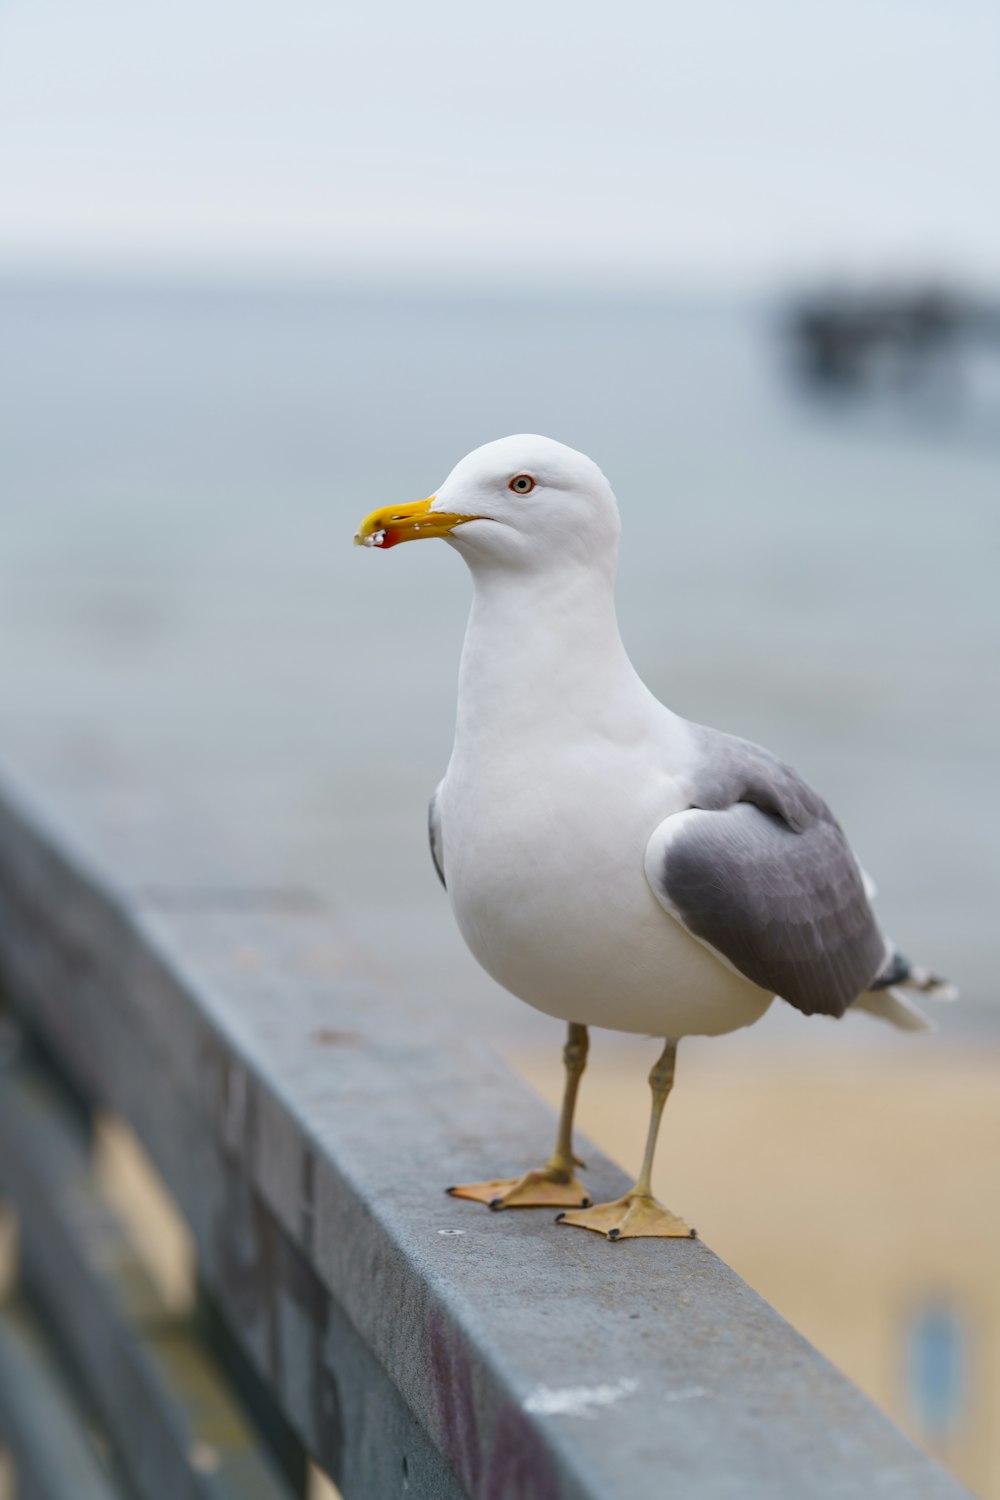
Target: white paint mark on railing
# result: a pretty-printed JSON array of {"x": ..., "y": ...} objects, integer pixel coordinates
[{"x": 577, "y": 1400}]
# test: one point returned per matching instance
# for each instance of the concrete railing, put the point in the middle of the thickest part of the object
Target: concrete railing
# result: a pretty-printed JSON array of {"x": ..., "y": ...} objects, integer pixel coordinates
[{"x": 306, "y": 1124}]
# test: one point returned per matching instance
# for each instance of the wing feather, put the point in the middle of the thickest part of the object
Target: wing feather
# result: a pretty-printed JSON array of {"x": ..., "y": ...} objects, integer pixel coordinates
[
  {"x": 435, "y": 834},
  {"x": 760, "y": 871}
]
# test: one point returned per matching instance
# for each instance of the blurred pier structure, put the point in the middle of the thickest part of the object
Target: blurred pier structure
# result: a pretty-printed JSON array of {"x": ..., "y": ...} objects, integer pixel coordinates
[
  {"x": 339, "y": 1319},
  {"x": 854, "y": 341}
]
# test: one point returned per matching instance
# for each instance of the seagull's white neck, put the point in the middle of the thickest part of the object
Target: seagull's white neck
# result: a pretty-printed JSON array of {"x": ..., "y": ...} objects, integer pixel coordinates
[{"x": 543, "y": 652}]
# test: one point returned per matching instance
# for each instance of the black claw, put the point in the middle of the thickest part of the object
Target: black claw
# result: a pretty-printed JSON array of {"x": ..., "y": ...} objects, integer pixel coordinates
[
  {"x": 451, "y": 1190},
  {"x": 613, "y": 1234},
  {"x": 496, "y": 1203},
  {"x": 694, "y": 1234},
  {"x": 587, "y": 1203},
  {"x": 560, "y": 1217}
]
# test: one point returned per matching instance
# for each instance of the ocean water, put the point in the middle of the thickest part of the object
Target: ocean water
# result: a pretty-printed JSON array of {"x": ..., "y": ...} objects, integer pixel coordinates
[{"x": 181, "y": 472}]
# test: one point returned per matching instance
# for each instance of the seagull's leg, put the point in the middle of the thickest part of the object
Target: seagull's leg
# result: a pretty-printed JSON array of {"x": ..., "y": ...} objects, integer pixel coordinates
[
  {"x": 554, "y": 1185},
  {"x": 638, "y": 1215}
]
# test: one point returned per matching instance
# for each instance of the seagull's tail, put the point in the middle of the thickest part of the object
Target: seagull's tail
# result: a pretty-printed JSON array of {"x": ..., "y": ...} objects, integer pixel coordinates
[
  {"x": 888, "y": 997},
  {"x": 896, "y": 1007}
]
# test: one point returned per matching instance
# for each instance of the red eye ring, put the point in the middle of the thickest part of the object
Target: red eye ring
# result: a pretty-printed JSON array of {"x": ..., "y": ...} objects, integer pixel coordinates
[{"x": 522, "y": 484}]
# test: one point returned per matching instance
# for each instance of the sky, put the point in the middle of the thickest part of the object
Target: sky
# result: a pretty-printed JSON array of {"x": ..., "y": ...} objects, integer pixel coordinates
[{"x": 721, "y": 141}]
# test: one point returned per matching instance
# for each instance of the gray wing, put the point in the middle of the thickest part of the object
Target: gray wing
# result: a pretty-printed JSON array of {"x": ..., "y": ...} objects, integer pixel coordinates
[
  {"x": 760, "y": 870},
  {"x": 434, "y": 833}
]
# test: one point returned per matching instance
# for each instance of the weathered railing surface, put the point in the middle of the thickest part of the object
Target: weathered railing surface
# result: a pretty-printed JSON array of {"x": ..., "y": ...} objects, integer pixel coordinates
[{"x": 306, "y": 1122}]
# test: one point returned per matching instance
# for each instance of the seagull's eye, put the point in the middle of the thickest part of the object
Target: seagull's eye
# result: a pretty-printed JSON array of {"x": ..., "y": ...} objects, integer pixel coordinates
[{"x": 522, "y": 484}]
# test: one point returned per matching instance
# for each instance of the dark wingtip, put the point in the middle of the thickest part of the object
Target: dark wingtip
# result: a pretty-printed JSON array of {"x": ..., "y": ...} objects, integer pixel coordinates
[{"x": 896, "y": 971}]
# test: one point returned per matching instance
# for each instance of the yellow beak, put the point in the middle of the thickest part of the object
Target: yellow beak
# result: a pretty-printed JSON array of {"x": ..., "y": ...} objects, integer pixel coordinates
[{"x": 406, "y": 523}]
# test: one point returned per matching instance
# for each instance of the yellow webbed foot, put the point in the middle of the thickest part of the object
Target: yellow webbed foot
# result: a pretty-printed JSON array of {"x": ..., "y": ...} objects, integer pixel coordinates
[
  {"x": 636, "y": 1216},
  {"x": 545, "y": 1187}
]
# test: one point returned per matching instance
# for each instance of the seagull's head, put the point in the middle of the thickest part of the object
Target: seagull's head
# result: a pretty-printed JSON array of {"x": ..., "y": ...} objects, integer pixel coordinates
[{"x": 520, "y": 501}]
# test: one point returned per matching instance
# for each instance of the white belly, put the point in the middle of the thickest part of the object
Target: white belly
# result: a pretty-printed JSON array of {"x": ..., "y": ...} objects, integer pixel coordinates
[{"x": 547, "y": 884}]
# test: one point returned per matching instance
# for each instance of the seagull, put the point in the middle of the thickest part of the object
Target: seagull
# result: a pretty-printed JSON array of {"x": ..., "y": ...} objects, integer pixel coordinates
[{"x": 607, "y": 861}]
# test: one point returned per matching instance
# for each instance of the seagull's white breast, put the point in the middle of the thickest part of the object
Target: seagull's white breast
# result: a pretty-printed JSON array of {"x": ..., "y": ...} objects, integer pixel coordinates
[{"x": 544, "y": 840}]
